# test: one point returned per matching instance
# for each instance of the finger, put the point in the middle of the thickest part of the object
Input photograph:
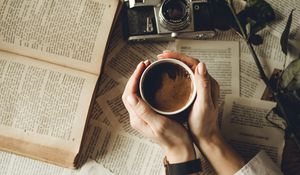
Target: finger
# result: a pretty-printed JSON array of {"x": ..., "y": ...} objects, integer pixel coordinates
[
  {"x": 215, "y": 91},
  {"x": 133, "y": 82},
  {"x": 137, "y": 123},
  {"x": 191, "y": 62},
  {"x": 140, "y": 125},
  {"x": 144, "y": 112},
  {"x": 203, "y": 85},
  {"x": 147, "y": 63}
]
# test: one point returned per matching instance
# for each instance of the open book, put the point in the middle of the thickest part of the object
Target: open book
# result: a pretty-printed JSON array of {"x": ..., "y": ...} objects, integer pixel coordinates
[{"x": 50, "y": 60}]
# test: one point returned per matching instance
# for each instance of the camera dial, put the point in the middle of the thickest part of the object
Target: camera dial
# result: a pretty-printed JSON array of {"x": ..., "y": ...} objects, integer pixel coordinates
[{"x": 175, "y": 14}]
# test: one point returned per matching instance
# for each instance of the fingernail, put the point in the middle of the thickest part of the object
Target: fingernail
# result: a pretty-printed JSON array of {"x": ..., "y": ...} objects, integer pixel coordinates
[
  {"x": 167, "y": 51},
  {"x": 132, "y": 100},
  {"x": 202, "y": 68},
  {"x": 147, "y": 62},
  {"x": 140, "y": 64},
  {"x": 160, "y": 56}
]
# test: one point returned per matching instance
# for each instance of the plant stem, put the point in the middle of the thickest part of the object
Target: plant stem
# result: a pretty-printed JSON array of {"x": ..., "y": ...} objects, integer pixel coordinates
[
  {"x": 259, "y": 66},
  {"x": 237, "y": 20}
]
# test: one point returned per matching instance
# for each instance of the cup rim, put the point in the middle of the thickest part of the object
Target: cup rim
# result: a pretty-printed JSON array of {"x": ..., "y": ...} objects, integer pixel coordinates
[{"x": 183, "y": 65}]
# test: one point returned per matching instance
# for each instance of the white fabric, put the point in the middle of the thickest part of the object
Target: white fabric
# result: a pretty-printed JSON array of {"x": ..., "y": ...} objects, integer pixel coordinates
[{"x": 261, "y": 164}]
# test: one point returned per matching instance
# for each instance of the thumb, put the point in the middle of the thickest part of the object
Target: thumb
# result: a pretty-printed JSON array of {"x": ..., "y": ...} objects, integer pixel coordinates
[
  {"x": 203, "y": 84},
  {"x": 143, "y": 110}
]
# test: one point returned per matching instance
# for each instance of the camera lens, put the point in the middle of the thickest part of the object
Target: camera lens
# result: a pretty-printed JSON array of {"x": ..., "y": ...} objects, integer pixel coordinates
[
  {"x": 174, "y": 10},
  {"x": 175, "y": 14}
]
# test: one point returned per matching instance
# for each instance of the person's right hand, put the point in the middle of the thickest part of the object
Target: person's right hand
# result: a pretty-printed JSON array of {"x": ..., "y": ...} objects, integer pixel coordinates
[
  {"x": 204, "y": 113},
  {"x": 203, "y": 119}
]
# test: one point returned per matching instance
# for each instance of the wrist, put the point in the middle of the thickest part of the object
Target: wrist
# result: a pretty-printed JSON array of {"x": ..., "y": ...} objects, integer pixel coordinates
[
  {"x": 178, "y": 154},
  {"x": 213, "y": 142},
  {"x": 208, "y": 137},
  {"x": 223, "y": 158}
]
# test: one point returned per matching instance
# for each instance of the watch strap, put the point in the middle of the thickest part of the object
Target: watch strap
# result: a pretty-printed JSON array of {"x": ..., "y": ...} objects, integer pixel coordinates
[{"x": 189, "y": 167}]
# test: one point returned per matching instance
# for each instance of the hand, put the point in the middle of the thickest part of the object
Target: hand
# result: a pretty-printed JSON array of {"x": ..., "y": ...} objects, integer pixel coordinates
[
  {"x": 203, "y": 119},
  {"x": 204, "y": 113},
  {"x": 170, "y": 135}
]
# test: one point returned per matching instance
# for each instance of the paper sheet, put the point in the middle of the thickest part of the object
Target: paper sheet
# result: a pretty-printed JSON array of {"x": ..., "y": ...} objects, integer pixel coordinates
[
  {"x": 282, "y": 10},
  {"x": 245, "y": 127},
  {"x": 261, "y": 164},
  {"x": 122, "y": 65},
  {"x": 125, "y": 154},
  {"x": 221, "y": 59},
  {"x": 90, "y": 168},
  {"x": 251, "y": 85},
  {"x": 78, "y": 40}
]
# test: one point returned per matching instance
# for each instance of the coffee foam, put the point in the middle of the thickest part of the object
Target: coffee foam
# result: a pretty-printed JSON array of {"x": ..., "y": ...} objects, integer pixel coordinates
[{"x": 168, "y": 87}]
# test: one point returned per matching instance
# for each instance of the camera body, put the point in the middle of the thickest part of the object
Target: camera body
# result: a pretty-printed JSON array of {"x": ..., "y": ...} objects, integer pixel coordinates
[{"x": 168, "y": 19}]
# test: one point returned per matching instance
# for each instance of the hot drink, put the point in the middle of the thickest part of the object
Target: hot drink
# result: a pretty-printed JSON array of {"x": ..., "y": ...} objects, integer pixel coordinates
[{"x": 167, "y": 87}]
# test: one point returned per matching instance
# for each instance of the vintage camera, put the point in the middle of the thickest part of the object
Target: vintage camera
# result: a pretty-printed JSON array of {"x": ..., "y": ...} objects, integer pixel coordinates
[{"x": 168, "y": 19}]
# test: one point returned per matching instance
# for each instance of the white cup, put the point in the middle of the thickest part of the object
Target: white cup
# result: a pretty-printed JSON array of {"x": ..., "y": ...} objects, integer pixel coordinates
[{"x": 181, "y": 64}]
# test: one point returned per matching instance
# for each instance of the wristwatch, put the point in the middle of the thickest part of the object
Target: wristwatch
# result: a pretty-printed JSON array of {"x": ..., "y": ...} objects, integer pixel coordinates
[{"x": 185, "y": 168}]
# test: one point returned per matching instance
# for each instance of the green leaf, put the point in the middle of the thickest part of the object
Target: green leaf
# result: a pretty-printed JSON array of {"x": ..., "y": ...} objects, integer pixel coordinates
[
  {"x": 251, "y": 3},
  {"x": 285, "y": 35},
  {"x": 249, "y": 25},
  {"x": 294, "y": 48},
  {"x": 291, "y": 76}
]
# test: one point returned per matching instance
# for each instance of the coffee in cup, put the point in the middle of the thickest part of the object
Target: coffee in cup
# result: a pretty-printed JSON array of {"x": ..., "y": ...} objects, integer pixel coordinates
[{"x": 168, "y": 86}]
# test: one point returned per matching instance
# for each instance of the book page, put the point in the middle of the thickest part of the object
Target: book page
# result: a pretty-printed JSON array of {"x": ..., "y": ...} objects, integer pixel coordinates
[
  {"x": 120, "y": 148},
  {"x": 125, "y": 154},
  {"x": 245, "y": 127},
  {"x": 282, "y": 10},
  {"x": 42, "y": 104},
  {"x": 90, "y": 168},
  {"x": 112, "y": 105},
  {"x": 12, "y": 165},
  {"x": 122, "y": 64},
  {"x": 269, "y": 52},
  {"x": 97, "y": 135},
  {"x": 221, "y": 59},
  {"x": 71, "y": 33},
  {"x": 252, "y": 86}
]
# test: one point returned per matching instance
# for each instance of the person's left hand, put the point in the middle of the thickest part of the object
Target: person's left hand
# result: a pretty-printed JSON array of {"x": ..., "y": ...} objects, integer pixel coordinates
[{"x": 172, "y": 137}]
